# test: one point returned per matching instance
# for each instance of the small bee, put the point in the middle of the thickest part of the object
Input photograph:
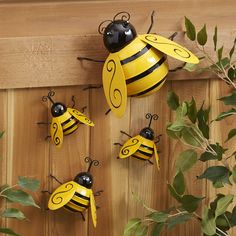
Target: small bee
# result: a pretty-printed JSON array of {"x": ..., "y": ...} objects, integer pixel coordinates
[
  {"x": 137, "y": 64},
  {"x": 142, "y": 146},
  {"x": 65, "y": 120},
  {"x": 76, "y": 195}
]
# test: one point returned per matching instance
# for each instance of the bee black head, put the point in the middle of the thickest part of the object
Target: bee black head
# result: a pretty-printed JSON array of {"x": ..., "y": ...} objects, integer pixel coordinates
[
  {"x": 118, "y": 33},
  {"x": 85, "y": 178},
  {"x": 58, "y": 109},
  {"x": 148, "y": 132}
]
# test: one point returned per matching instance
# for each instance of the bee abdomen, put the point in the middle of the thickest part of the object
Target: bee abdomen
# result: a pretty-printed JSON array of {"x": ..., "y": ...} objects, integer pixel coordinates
[{"x": 70, "y": 125}]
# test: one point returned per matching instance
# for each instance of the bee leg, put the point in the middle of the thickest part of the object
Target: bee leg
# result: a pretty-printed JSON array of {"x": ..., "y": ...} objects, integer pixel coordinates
[
  {"x": 118, "y": 144},
  {"x": 178, "y": 68},
  {"x": 83, "y": 109},
  {"x": 92, "y": 87},
  {"x": 58, "y": 181},
  {"x": 73, "y": 101},
  {"x": 46, "y": 191},
  {"x": 123, "y": 132},
  {"x": 158, "y": 138},
  {"x": 47, "y": 137},
  {"x": 152, "y": 21},
  {"x": 89, "y": 59},
  {"x": 107, "y": 112},
  {"x": 171, "y": 37},
  {"x": 98, "y": 193},
  {"x": 82, "y": 216},
  {"x": 150, "y": 162},
  {"x": 98, "y": 207}
]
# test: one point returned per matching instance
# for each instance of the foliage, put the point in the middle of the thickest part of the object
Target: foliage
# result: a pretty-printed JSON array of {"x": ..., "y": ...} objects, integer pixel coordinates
[
  {"x": 17, "y": 194},
  {"x": 191, "y": 127}
]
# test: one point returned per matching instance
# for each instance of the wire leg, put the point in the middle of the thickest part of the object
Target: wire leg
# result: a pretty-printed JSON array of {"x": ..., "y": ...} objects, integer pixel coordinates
[
  {"x": 82, "y": 216},
  {"x": 46, "y": 191},
  {"x": 90, "y": 59},
  {"x": 83, "y": 109},
  {"x": 171, "y": 37},
  {"x": 92, "y": 87},
  {"x": 158, "y": 138},
  {"x": 73, "y": 101},
  {"x": 123, "y": 132},
  {"x": 178, "y": 68},
  {"x": 98, "y": 193},
  {"x": 118, "y": 144},
  {"x": 150, "y": 162},
  {"x": 108, "y": 111},
  {"x": 58, "y": 181},
  {"x": 152, "y": 21}
]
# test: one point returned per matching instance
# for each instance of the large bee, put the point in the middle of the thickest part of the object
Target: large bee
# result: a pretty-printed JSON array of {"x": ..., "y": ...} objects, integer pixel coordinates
[
  {"x": 142, "y": 146},
  {"x": 76, "y": 195},
  {"x": 137, "y": 64},
  {"x": 65, "y": 120}
]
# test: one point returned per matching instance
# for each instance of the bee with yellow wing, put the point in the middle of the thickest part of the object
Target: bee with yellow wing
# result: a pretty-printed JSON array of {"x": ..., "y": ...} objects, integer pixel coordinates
[
  {"x": 65, "y": 120},
  {"x": 76, "y": 195},
  {"x": 142, "y": 146},
  {"x": 137, "y": 64}
]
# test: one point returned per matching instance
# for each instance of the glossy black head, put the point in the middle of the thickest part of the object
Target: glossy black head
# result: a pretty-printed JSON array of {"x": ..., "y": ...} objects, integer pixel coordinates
[
  {"x": 85, "y": 179},
  {"x": 147, "y": 133},
  {"x": 118, "y": 34},
  {"x": 58, "y": 109}
]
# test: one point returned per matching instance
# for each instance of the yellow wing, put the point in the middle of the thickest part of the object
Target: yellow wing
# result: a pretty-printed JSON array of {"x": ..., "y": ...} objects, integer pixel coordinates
[
  {"x": 170, "y": 48},
  {"x": 130, "y": 147},
  {"x": 62, "y": 195},
  {"x": 56, "y": 131},
  {"x": 114, "y": 84},
  {"x": 156, "y": 156},
  {"x": 93, "y": 209},
  {"x": 80, "y": 116}
]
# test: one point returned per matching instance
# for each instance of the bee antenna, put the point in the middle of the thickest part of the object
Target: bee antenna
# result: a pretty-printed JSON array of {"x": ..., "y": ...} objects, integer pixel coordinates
[
  {"x": 102, "y": 26},
  {"x": 151, "y": 117},
  {"x": 91, "y": 162},
  {"x": 51, "y": 93},
  {"x": 124, "y": 16}
]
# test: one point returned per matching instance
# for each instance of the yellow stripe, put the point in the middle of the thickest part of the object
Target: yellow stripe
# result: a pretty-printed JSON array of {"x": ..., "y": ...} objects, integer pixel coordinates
[
  {"x": 141, "y": 156},
  {"x": 69, "y": 124},
  {"x": 145, "y": 150},
  {"x": 64, "y": 117},
  {"x": 75, "y": 207},
  {"x": 81, "y": 200}
]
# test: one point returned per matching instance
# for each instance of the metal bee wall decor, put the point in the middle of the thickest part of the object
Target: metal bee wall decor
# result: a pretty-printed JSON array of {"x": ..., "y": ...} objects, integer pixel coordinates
[
  {"x": 137, "y": 64},
  {"x": 142, "y": 146},
  {"x": 65, "y": 120}
]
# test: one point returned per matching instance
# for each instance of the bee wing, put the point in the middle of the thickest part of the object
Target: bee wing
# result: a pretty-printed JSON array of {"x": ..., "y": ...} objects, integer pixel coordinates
[
  {"x": 130, "y": 147},
  {"x": 93, "y": 209},
  {"x": 170, "y": 48},
  {"x": 62, "y": 195},
  {"x": 114, "y": 84},
  {"x": 80, "y": 116},
  {"x": 156, "y": 156},
  {"x": 56, "y": 131}
]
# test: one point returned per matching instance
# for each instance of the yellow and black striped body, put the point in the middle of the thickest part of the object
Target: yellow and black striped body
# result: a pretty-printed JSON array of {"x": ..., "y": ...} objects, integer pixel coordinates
[
  {"x": 79, "y": 202},
  {"x": 145, "y": 68},
  {"x": 145, "y": 150},
  {"x": 69, "y": 123}
]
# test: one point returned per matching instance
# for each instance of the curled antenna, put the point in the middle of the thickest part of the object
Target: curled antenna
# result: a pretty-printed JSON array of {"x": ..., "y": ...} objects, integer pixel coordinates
[
  {"x": 49, "y": 96},
  {"x": 91, "y": 162},
  {"x": 151, "y": 117},
  {"x": 102, "y": 26},
  {"x": 124, "y": 16}
]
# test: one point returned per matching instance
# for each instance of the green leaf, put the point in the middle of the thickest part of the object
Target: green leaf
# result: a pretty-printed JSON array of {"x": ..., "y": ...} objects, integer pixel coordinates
[
  {"x": 223, "y": 204},
  {"x": 159, "y": 217},
  {"x": 131, "y": 226},
  {"x": 189, "y": 136},
  {"x": 190, "y": 29},
  {"x": 141, "y": 230},
  {"x": 202, "y": 36},
  {"x": 157, "y": 229},
  {"x": 215, "y": 173},
  {"x": 225, "y": 114},
  {"x": 229, "y": 100},
  {"x": 186, "y": 160},
  {"x": 231, "y": 134},
  {"x": 206, "y": 156},
  {"x": 1, "y": 133},
  {"x": 8, "y": 231},
  {"x": 219, "y": 53},
  {"x": 172, "y": 100},
  {"x": 232, "y": 49},
  {"x": 179, "y": 219},
  {"x": 233, "y": 217},
  {"x": 173, "y": 193},
  {"x": 208, "y": 223},
  {"x": 234, "y": 174},
  {"x": 28, "y": 183},
  {"x": 179, "y": 184},
  {"x": 20, "y": 197},
  {"x": 192, "y": 110},
  {"x": 13, "y": 213},
  {"x": 232, "y": 73},
  {"x": 190, "y": 67},
  {"x": 203, "y": 121},
  {"x": 190, "y": 203},
  {"x": 177, "y": 126},
  {"x": 215, "y": 38},
  {"x": 172, "y": 133}
]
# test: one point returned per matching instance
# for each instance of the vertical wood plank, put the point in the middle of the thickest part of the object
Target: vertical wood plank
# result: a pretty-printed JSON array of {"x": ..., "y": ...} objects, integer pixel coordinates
[
  {"x": 27, "y": 152},
  {"x": 67, "y": 162}
]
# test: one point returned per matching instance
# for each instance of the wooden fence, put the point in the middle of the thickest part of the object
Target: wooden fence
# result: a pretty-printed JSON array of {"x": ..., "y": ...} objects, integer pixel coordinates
[{"x": 39, "y": 44}]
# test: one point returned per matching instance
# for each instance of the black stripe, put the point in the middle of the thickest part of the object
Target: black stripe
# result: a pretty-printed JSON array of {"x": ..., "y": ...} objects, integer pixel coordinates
[
  {"x": 78, "y": 203},
  {"x": 136, "y": 55},
  {"x": 138, "y": 158},
  {"x": 149, "y": 89},
  {"x": 146, "y": 72},
  {"x": 67, "y": 121},
  {"x": 70, "y": 127},
  {"x": 146, "y": 147},
  {"x": 145, "y": 153},
  {"x": 82, "y": 196},
  {"x": 70, "y": 209}
]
